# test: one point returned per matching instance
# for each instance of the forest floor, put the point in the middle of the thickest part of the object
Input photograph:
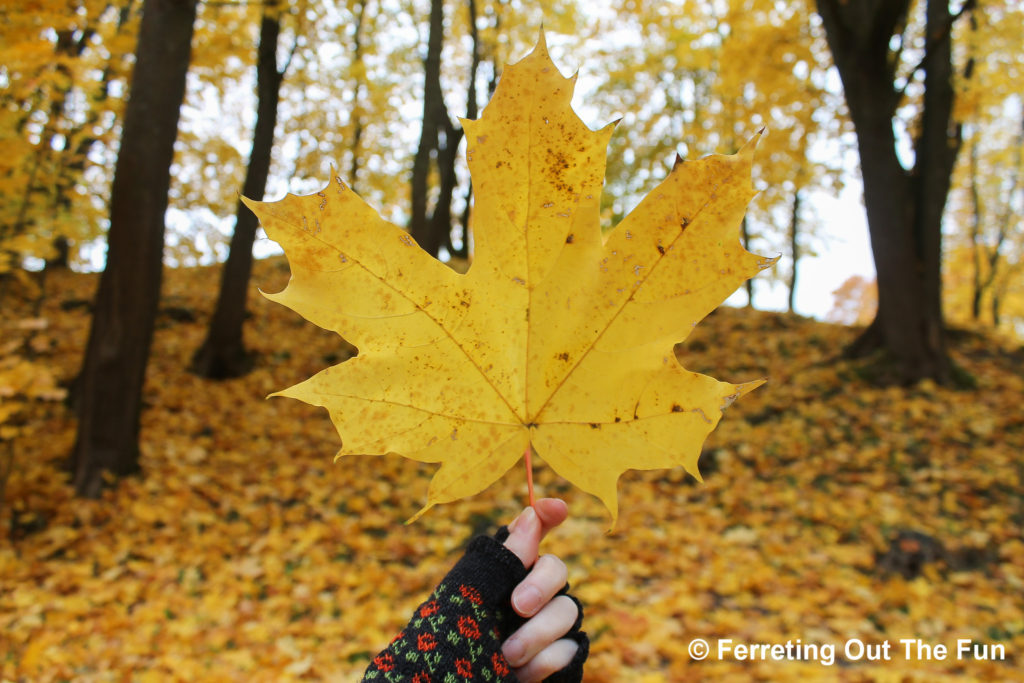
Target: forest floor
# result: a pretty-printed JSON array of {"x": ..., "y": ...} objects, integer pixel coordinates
[{"x": 833, "y": 512}]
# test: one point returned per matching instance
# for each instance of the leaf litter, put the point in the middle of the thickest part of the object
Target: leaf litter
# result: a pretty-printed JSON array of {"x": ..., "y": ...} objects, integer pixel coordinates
[{"x": 242, "y": 554}]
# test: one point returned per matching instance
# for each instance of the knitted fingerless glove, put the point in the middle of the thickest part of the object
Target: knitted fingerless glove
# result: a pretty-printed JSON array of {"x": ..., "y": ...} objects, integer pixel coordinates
[{"x": 457, "y": 633}]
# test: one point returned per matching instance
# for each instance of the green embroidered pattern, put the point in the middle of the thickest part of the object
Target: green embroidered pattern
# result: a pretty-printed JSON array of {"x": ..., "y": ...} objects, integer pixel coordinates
[{"x": 452, "y": 638}]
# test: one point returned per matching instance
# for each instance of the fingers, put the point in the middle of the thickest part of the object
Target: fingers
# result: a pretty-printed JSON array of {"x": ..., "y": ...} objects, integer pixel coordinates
[
  {"x": 552, "y": 512},
  {"x": 554, "y": 657},
  {"x": 527, "y": 530},
  {"x": 537, "y": 649},
  {"x": 539, "y": 634},
  {"x": 547, "y": 577}
]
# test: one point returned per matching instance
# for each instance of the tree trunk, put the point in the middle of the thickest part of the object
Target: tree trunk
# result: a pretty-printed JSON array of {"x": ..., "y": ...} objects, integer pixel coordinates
[
  {"x": 745, "y": 235},
  {"x": 462, "y": 250},
  {"x": 357, "y": 110},
  {"x": 997, "y": 305},
  {"x": 61, "y": 259},
  {"x": 428, "y": 231},
  {"x": 794, "y": 247},
  {"x": 441, "y": 217},
  {"x": 223, "y": 355},
  {"x": 904, "y": 208},
  {"x": 114, "y": 367},
  {"x": 976, "y": 245}
]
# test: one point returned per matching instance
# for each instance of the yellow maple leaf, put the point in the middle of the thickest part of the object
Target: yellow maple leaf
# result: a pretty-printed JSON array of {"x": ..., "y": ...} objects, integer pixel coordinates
[{"x": 555, "y": 338}]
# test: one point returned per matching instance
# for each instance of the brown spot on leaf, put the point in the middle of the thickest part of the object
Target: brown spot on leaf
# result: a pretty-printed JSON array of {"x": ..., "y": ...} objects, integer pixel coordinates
[
  {"x": 676, "y": 408},
  {"x": 570, "y": 238}
]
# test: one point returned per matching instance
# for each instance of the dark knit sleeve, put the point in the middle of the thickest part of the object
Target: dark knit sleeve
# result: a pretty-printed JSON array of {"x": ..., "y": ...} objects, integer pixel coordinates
[{"x": 457, "y": 633}]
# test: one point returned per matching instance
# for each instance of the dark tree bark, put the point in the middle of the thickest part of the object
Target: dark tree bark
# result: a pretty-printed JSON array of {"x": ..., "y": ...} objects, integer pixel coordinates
[
  {"x": 419, "y": 226},
  {"x": 745, "y": 235},
  {"x": 61, "y": 259},
  {"x": 440, "y": 225},
  {"x": 904, "y": 207},
  {"x": 979, "y": 281},
  {"x": 439, "y": 141},
  {"x": 462, "y": 251},
  {"x": 794, "y": 246},
  {"x": 109, "y": 398},
  {"x": 357, "y": 115},
  {"x": 223, "y": 355}
]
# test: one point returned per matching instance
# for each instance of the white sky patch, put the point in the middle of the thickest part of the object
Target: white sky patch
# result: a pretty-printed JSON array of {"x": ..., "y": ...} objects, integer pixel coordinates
[{"x": 845, "y": 252}]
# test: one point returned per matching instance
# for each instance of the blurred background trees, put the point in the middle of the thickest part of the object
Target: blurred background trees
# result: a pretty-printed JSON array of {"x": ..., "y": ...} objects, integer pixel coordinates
[{"x": 280, "y": 94}]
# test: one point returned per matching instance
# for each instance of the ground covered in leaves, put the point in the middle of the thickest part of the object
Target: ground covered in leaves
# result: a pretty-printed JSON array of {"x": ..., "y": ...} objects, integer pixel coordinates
[{"x": 831, "y": 510}]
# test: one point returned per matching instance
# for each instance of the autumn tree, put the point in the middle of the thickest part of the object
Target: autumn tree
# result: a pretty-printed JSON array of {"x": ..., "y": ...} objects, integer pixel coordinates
[
  {"x": 905, "y": 203},
  {"x": 348, "y": 76},
  {"x": 983, "y": 278},
  {"x": 705, "y": 77},
  {"x": 439, "y": 140},
  {"x": 109, "y": 392},
  {"x": 357, "y": 115},
  {"x": 995, "y": 234},
  {"x": 223, "y": 354},
  {"x": 854, "y": 302},
  {"x": 985, "y": 254},
  {"x": 62, "y": 70}
]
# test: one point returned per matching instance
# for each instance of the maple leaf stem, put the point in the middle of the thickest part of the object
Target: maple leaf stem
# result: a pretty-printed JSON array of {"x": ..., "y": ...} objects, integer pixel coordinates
[{"x": 528, "y": 456}]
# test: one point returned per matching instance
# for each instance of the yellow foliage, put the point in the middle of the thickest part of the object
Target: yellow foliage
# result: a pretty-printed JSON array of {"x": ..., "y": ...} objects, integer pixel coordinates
[
  {"x": 855, "y": 302},
  {"x": 961, "y": 266},
  {"x": 22, "y": 381},
  {"x": 554, "y": 339},
  {"x": 703, "y": 76},
  {"x": 64, "y": 70}
]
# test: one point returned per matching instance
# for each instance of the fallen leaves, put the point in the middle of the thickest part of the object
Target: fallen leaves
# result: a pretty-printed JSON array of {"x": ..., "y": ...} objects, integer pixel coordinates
[{"x": 242, "y": 555}]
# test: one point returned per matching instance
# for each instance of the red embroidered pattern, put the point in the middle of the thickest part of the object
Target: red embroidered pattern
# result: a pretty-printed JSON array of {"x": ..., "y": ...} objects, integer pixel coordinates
[
  {"x": 464, "y": 667},
  {"x": 429, "y": 609},
  {"x": 500, "y": 664},
  {"x": 384, "y": 662},
  {"x": 471, "y": 594},
  {"x": 468, "y": 627},
  {"x": 426, "y": 642}
]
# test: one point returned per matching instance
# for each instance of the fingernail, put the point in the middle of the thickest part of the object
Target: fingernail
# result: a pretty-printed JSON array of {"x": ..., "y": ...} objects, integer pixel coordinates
[
  {"x": 526, "y": 518},
  {"x": 513, "y": 651},
  {"x": 512, "y": 524},
  {"x": 526, "y": 599}
]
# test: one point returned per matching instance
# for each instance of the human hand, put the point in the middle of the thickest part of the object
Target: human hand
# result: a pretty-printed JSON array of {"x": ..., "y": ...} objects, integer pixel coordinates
[{"x": 537, "y": 649}]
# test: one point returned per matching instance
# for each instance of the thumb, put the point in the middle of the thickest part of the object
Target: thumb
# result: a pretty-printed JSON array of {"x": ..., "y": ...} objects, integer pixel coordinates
[{"x": 524, "y": 537}]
